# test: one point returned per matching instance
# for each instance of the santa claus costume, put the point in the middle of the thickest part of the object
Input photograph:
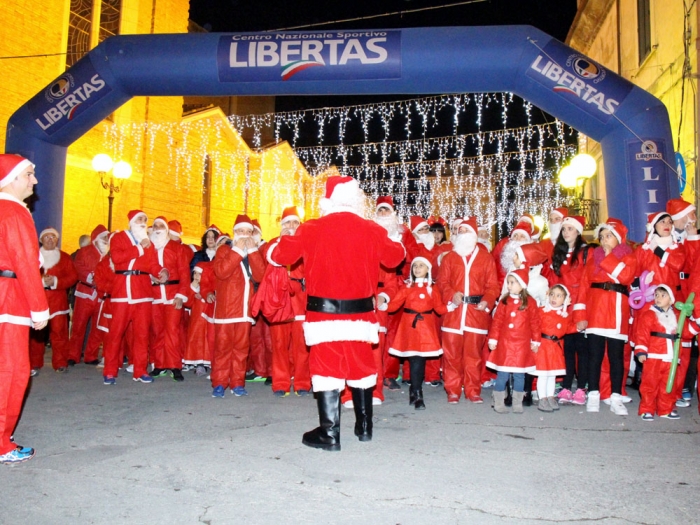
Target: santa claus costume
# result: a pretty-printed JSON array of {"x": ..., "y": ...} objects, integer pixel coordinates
[
  {"x": 505, "y": 249},
  {"x": 260, "y": 356},
  {"x": 87, "y": 306},
  {"x": 59, "y": 275},
  {"x": 22, "y": 300},
  {"x": 342, "y": 253},
  {"x": 417, "y": 337},
  {"x": 235, "y": 268},
  {"x": 468, "y": 279},
  {"x": 135, "y": 260},
  {"x": 515, "y": 332}
]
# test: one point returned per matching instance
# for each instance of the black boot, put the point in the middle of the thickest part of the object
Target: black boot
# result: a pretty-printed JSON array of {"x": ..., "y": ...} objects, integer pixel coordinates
[
  {"x": 527, "y": 399},
  {"x": 419, "y": 404},
  {"x": 411, "y": 396},
  {"x": 362, "y": 403},
  {"x": 417, "y": 366},
  {"x": 508, "y": 401},
  {"x": 327, "y": 435}
]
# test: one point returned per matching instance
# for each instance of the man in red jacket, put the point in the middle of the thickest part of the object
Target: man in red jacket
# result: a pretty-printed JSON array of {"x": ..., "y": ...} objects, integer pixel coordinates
[
  {"x": 87, "y": 306},
  {"x": 22, "y": 299},
  {"x": 135, "y": 261},
  {"x": 59, "y": 276}
]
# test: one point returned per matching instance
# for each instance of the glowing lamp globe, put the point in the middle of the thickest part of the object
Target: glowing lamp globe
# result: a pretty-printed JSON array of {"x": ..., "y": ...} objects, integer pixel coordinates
[
  {"x": 102, "y": 163},
  {"x": 122, "y": 170},
  {"x": 567, "y": 178},
  {"x": 584, "y": 165}
]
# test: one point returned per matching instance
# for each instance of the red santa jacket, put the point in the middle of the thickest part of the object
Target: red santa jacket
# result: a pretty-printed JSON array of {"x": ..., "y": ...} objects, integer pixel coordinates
[
  {"x": 417, "y": 334},
  {"x": 514, "y": 331},
  {"x": 234, "y": 289},
  {"x": 297, "y": 284},
  {"x": 341, "y": 253},
  {"x": 549, "y": 359},
  {"x": 571, "y": 273},
  {"x": 666, "y": 262},
  {"x": 65, "y": 277},
  {"x": 22, "y": 299},
  {"x": 104, "y": 279},
  {"x": 129, "y": 255},
  {"x": 606, "y": 311},
  {"x": 387, "y": 287},
  {"x": 175, "y": 258},
  {"x": 473, "y": 275},
  {"x": 649, "y": 325},
  {"x": 691, "y": 244},
  {"x": 85, "y": 263}
]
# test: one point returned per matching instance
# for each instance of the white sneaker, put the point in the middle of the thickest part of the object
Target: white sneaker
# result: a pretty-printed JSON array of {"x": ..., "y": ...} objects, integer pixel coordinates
[
  {"x": 376, "y": 401},
  {"x": 348, "y": 404},
  {"x": 625, "y": 399},
  {"x": 593, "y": 403},
  {"x": 606, "y": 401},
  {"x": 617, "y": 407},
  {"x": 130, "y": 369},
  {"x": 101, "y": 363},
  {"x": 682, "y": 403}
]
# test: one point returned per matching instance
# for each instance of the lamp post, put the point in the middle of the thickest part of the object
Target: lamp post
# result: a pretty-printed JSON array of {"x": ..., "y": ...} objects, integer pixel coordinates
[
  {"x": 573, "y": 176},
  {"x": 102, "y": 164}
]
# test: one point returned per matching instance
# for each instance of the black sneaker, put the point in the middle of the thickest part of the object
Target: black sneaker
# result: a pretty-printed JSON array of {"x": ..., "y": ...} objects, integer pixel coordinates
[
  {"x": 268, "y": 381},
  {"x": 71, "y": 362},
  {"x": 158, "y": 372},
  {"x": 177, "y": 375},
  {"x": 435, "y": 383},
  {"x": 250, "y": 376},
  {"x": 672, "y": 415},
  {"x": 391, "y": 384},
  {"x": 93, "y": 362}
]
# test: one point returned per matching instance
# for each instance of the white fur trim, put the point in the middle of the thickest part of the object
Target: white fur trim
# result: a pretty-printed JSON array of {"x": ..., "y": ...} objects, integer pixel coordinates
[
  {"x": 341, "y": 330},
  {"x": 618, "y": 269},
  {"x": 327, "y": 384},
  {"x": 16, "y": 319},
  {"x": 512, "y": 369},
  {"x": 420, "y": 225},
  {"x": 579, "y": 306},
  {"x": 238, "y": 250},
  {"x": 411, "y": 353},
  {"x": 14, "y": 172},
  {"x": 685, "y": 211},
  {"x": 269, "y": 255},
  {"x": 641, "y": 347},
  {"x": 364, "y": 383},
  {"x": 605, "y": 226},
  {"x": 290, "y": 218},
  {"x": 61, "y": 312},
  {"x": 573, "y": 222},
  {"x": 493, "y": 341}
]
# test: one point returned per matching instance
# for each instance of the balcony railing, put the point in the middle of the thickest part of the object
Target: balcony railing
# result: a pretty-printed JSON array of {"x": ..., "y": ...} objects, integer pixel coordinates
[{"x": 589, "y": 209}]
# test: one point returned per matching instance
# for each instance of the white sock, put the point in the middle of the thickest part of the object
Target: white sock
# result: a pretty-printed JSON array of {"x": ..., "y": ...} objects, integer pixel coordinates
[{"x": 551, "y": 385}]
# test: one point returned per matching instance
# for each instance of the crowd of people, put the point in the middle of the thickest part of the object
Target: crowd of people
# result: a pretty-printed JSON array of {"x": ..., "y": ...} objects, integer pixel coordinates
[{"x": 345, "y": 308}]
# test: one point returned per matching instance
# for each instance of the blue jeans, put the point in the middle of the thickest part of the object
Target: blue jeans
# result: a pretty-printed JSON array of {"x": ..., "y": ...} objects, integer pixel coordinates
[{"x": 502, "y": 379}]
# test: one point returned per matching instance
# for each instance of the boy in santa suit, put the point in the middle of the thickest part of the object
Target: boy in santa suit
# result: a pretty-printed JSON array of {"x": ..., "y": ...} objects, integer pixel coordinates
[
  {"x": 656, "y": 333},
  {"x": 260, "y": 357},
  {"x": 22, "y": 300},
  {"x": 342, "y": 253},
  {"x": 236, "y": 268},
  {"x": 135, "y": 260},
  {"x": 468, "y": 279},
  {"x": 59, "y": 275},
  {"x": 168, "y": 300},
  {"x": 87, "y": 306}
]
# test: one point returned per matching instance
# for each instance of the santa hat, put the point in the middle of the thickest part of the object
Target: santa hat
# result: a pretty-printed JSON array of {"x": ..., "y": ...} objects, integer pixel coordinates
[
  {"x": 135, "y": 213},
  {"x": 522, "y": 275},
  {"x": 256, "y": 225},
  {"x": 527, "y": 217},
  {"x": 342, "y": 193},
  {"x": 679, "y": 208},
  {"x": 531, "y": 254},
  {"x": 575, "y": 221},
  {"x": 49, "y": 230},
  {"x": 223, "y": 238},
  {"x": 522, "y": 227},
  {"x": 616, "y": 227},
  {"x": 98, "y": 232},
  {"x": 162, "y": 220},
  {"x": 385, "y": 201},
  {"x": 242, "y": 221},
  {"x": 290, "y": 214},
  {"x": 175, "y": 228},
  {"x": 11, "y": 166},
  {"x": 561, "y": 212},
  {"x": 653, "y": 218},
  {"x": 567, "y": 300},
  {"x": 469, "y": 222},
  {"x": 668, "y": 290},
  {"x": 215, "y": 229},
  {"x": 417, "y": 223},
  {"x": 198, "y": 268}
]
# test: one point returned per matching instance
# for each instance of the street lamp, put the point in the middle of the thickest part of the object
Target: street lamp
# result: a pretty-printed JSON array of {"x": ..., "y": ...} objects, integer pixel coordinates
[
  {"x": 573, "y": 176},
  {"x": 103, "y": 164}
]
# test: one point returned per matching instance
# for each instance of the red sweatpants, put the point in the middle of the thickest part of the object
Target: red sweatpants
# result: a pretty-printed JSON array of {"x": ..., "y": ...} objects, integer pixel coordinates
[
  {"x": 261, "y": 349},
  {"x": 84, "y": 311},
  {"x": 14, "y": 376},
  {"x": 349, "y": 360},
  {"x": 232, "y": 343},
  {"x": 139, "y": 317},
  {"x": 166, "y": 348},
  {"x": 58, "y": 332},
  {"x": 462, "y": 363},
  {"x": 653, "y": 388},
  {"x": 200, "y": 338},
  {"x": 290, "y": 357}
]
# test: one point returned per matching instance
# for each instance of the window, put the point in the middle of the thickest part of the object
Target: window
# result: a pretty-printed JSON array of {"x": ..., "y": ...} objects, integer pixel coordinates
[
  {"x": 643, "y": 29},
  {"x": 206, "y": 191},
  {"x": 83, "y": 34}
]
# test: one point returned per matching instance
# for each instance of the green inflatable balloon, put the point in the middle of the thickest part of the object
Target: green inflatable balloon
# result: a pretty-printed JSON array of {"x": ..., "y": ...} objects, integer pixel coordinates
[{"x": 686, "y": 310}]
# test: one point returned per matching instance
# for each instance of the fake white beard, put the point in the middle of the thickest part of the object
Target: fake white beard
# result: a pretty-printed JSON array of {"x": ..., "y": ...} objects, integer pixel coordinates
[
  {"x": 51, "y": 257},
  {"x": 426, "y": 239},
  {"x": 667, "y": 320},
  {"x": 464, "y": 243},
  {"x": 237, "y": 236},
  {"x": 257, "y": 238},
  {"x": 508, "y": 253},
  {"x": 390, "y": 223},
  {"x": 554, "y": 231},
  {"x": 159, "y": 238},
  {"x": 139, "y": 231},
  {"x": 102, "y": 246}
]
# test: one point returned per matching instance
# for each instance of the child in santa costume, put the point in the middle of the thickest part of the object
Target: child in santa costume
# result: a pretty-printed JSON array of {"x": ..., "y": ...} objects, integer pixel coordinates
[
  {"x": 417, "y": 336},
  {"x": 514, "y": 337},
  {"x": 657, "y": 330},
  {"x": 200, "y": 333},
  {"x": 549, "y": 359}
]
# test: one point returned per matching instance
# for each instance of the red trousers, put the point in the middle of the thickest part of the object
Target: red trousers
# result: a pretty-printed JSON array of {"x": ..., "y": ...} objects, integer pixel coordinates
[
  {"x": 261, "y": 349},
  {"x": 290, "y": 357},
  {"x": 377, "y": 352},
  {"x": 200, "y": 338},
  {"x": 84, "y": 311},
  {"x": 123, "y": 315},
  {"x": 349, "y": 360},
  {"x": 462, "y": 363},
  {"x": 58, "y": 332},
  {"x": 14, "y": 376},
  {"x": 232, "y": 343},
  {"x": 655, "y": 400},
  {"x": 166, "y": 348}
]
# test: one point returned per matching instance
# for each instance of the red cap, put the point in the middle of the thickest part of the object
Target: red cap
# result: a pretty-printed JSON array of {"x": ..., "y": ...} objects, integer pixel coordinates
[
  {"x": 417, "y": 223},
  {"x": 162, "y": 219},
  {"x": 133, "y": 213},
  {"x": 679, "y": 208},
  {"x": 243, "y": 221},
  {"x": 532, "y": 254},
  {"x": 290, "y": 214},
  {"x": 562, "y": 212},
  {"x": 175, "y": 227},
  {"x": 577, "y": 221},
  {"x": 215, "y": 228},
  {"x": 470, "y": 222},
  {"x": 99, "y": 230},
  {"x": 522, "y": 274},
  {"x": 11, "y": 166},
  {"x": 385, "y": 201},
  {"x": 523, "y": 227},
  {"x": 334, "y": 181},
  {"x": 256, "y": 225}
]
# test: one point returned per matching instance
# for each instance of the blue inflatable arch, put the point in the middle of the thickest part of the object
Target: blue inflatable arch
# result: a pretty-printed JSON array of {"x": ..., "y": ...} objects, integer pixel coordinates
[{"x": 632, "y": 125}]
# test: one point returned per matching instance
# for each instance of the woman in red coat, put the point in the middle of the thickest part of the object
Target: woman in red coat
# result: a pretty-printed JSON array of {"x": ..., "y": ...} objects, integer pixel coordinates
[{"x": 417, "y": 335}]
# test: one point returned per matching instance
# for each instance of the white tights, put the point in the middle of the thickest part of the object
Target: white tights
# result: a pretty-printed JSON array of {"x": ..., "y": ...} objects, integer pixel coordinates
[{"x": 545, "y": 386}]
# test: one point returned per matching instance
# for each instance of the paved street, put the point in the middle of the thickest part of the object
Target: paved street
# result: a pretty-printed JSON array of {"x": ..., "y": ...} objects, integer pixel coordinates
[{"x": 169, "y": 453}]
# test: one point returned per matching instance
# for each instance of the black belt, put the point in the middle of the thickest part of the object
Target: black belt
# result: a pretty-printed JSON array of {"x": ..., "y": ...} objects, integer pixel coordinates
[
  {"x": 130, "y": 272},
  {"x": 672, "y": 337},
  {"x": 684, "y": 276},
  {"x": 8, "y": 274},
  {"x": 339, "y": 306},
  {"x": 86, "y": 284},
  {"x": 166, "y": 283},
  {"x": 302, "y": 282},
  {"x": 611, "y": 287},
  {"x": 418, "y": 315},
  {"x": 380, "y": 284},
  {"x": 551, "y": 337},
  {"x": 472, "y": 299}
]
